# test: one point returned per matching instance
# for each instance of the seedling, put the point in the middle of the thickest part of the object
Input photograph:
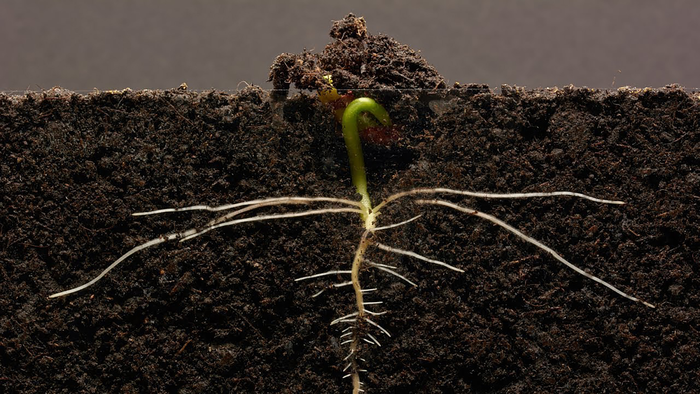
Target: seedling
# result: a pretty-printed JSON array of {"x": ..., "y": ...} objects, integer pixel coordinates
[{"x": 361, "y": 322}]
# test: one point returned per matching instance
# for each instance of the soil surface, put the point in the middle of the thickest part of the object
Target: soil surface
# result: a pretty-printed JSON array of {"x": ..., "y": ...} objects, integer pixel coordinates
[{"x": 222, "y": 312}]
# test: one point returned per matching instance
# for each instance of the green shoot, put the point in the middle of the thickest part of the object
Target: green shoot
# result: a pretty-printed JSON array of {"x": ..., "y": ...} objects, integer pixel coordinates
[{"x": 352, "y": 143}]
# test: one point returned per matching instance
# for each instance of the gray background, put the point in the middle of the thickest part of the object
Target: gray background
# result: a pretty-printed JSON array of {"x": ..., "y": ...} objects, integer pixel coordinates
[{"x": 85, "y": 45}]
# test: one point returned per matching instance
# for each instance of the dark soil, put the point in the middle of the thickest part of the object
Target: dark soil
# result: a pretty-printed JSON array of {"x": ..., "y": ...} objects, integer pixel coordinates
[
  {"x": 222, "y": 313},
  {"x": 356, "y": 59}
]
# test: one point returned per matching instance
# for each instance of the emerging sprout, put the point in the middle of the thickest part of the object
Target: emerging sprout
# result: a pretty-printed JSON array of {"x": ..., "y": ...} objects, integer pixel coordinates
[
  {"x": 352, "y": 142},
  {"x": 329, "y": 94}
]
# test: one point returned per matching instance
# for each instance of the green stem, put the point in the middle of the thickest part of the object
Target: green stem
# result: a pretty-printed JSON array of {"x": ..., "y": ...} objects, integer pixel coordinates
[{"x": 352, "y": 142}]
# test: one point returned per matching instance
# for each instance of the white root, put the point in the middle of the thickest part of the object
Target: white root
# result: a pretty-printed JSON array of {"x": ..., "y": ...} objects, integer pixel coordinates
[
  {"x": 439, "y": 190},
  {"x": 384, "y": 268},
  {"x": 374, "y": 313},
  {"x": 535, "y": 242},
  {"x": 416, "y": 255},
  {"x": 344, "y": 318},
  {"x": 195, "y": 232},
  {"x": 374, "y": 339},
  {"x": 396, "y": 224},
  {"x": 148, "y": 244},
  {"x": 265, "y": 201},
  {"x": 378, "y": 326},
  {"x": 337, "y": 272},
  {"x": 261, "y": 218}
]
